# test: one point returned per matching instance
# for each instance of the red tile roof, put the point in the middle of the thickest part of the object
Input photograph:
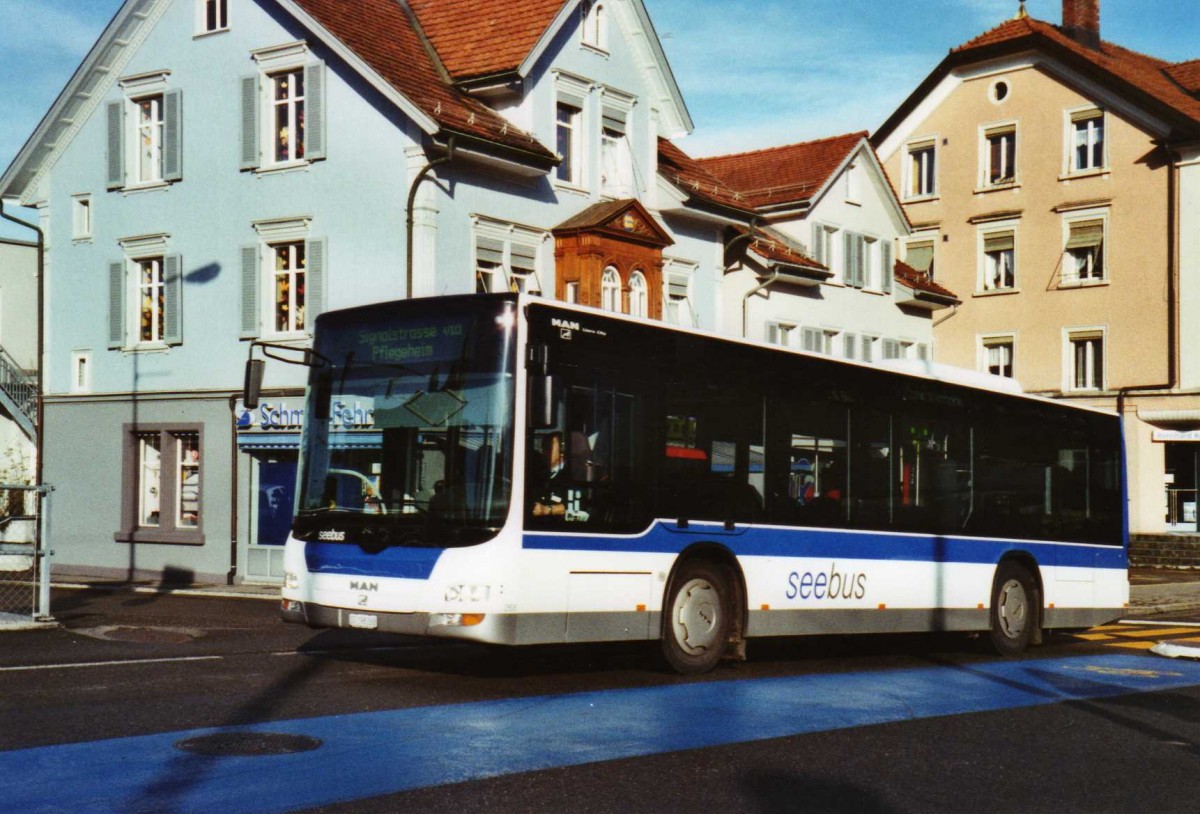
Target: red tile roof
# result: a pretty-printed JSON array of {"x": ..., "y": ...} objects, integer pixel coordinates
[
  {"x": 788, "y": 174},
  {"x": 689, "y": 175},
  {"x": 483, "y": 37},
  {"x": 775, "y": 247},
  {"x": 1153, "y": 83},
  {"x": 909, "y": 277},
  {"x": 383, "y": 36}
]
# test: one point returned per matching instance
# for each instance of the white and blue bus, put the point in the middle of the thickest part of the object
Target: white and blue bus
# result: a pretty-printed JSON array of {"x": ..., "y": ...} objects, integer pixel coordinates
[{"x": 533, "y": 472}]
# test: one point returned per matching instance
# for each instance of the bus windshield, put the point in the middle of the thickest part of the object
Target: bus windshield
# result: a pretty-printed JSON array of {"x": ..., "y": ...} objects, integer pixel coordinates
[{"x": 410, "y": 433}]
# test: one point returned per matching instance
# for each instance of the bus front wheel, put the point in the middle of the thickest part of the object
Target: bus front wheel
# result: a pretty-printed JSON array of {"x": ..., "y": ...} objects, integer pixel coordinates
[
  {"x": 698, "y": 617},
  {"x": 1014, "y": 613}
]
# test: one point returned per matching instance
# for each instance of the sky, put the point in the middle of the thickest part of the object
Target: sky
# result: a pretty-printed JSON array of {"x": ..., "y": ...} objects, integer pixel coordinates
[{"x": 754, "y": 73}]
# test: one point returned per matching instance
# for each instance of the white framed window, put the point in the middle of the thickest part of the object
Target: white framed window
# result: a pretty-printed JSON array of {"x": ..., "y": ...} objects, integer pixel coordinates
[
  {"x": 145, "y": 290},
  {"x": 996, "y": 354},
  {"x": 283, "y": 109},
  {"x": 784, "y": 334},
  {"x": 920, "y": 254},
  {"x": 1086, "y": 139},
  {"x": 850, "y": 346},
  {"x": 825, "y": 247},
  {"x": 81, "y": 371},
  {"x": 639, "y": 295},
  {"x": 1085, "y": 358},
  {"x": 571, "y": 292},
  {"x": 283, "y": 279},
  {"x": 999, "y": 155},
  {"x": 616, "y": 155},
  {"x": 145, "y": 133},
  {"x": 677, "y": 292},
  {"x": 569, "y": 137},
  {"x": 212, "y": 16},
  {"x": 81, "y": 217},
  {"x": 867, "y": 347},
  {"x": 1083, "y": 247},
  {"x": 610, "y": 290},
  {"x": 892, "y": 349},
  {"x": 920, "y": 169},
  {"x": 594, "y": 25},
  {"x": 506, "y": 257},
  {"x": 162, "y": 498},
  {"x": 998, "y": 258}
]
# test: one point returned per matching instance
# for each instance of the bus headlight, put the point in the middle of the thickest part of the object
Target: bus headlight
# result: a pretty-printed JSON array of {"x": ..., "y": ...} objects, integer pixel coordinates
[{"x": 456, "y": 619}]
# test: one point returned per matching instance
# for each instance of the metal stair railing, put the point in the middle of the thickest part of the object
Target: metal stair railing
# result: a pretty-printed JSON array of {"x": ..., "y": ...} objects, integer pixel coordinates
[{"x": 18, "y": 393}]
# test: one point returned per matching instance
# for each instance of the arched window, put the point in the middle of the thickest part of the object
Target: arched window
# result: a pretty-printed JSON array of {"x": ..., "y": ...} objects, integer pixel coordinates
[
  {"x": 639, "y": 300},
  {"x": 610, "y": 290}
]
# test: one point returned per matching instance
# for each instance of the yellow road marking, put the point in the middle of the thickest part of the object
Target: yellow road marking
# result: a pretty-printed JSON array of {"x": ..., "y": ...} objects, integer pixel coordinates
[
  {"x": 1156, "y": 631},
  {"x": 1093, "y": 637},
  {"x": 1132, "y": 645},
  {"x": 1110, "y": 627}
]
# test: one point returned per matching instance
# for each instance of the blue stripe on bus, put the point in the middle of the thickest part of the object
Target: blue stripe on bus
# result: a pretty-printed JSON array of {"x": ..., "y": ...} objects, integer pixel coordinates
[
  {"x": 376, "y": 753},
  {"x": 348, "y": 558},
  {"x": 832, "y": 543}
]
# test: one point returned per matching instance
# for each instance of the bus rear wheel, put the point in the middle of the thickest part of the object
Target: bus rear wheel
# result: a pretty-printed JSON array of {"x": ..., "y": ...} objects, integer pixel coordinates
[
  {"x": 698, "y": 616},
  {"x": 1014, "y": 613}
]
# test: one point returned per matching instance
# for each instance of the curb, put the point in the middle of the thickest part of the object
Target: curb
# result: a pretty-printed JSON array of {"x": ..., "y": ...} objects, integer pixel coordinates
[{"x": 271, "y": 594}]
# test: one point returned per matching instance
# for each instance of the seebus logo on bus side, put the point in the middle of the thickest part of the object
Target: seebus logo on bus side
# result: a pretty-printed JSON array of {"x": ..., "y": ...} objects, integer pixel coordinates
[{"x": 831, "y": 584}]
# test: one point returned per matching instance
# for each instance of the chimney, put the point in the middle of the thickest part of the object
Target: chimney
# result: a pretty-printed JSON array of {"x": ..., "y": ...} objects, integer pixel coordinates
[{"x": 1081, "y": 21}]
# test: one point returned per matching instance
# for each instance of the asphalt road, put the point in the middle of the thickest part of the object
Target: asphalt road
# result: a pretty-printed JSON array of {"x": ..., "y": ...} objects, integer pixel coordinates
[{"x": 113, "y": 712}]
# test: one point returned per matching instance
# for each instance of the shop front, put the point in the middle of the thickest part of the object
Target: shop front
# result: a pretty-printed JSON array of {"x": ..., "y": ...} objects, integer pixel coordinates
[
  {"x": 268, "y": 442},
  {"x": 1181, "y": 450}
]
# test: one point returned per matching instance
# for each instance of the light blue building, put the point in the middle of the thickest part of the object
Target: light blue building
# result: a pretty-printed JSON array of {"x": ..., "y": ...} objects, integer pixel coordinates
[{"x": 223, "y": 170}]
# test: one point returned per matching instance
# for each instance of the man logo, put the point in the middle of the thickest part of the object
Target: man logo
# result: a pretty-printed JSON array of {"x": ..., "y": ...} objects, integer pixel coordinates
[
  {"x": 364, "y": 586},
  {"x": 565, "y": 324},
  {"x": 331, "y": 536}
]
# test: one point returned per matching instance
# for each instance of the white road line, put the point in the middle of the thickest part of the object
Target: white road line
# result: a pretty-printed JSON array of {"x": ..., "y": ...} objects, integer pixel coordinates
[
  {"x": 1160, "y": 623},
  {"x": 118, "y": 663}
]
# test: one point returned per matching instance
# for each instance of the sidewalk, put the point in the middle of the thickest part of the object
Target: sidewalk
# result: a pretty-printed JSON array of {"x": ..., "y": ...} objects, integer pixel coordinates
[{"x": 1151, "y": 590}]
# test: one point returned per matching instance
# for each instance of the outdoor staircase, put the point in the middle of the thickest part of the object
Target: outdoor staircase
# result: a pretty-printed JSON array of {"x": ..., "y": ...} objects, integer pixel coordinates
[{"x": 18, "y": 394}]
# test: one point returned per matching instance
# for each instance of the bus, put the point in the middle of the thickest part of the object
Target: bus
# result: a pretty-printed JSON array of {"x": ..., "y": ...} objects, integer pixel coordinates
[{"x": 531, "y": 472}]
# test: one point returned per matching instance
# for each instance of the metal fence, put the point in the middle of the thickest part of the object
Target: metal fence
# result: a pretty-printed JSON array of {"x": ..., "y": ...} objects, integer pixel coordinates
[{"x": 24, "y": 559}]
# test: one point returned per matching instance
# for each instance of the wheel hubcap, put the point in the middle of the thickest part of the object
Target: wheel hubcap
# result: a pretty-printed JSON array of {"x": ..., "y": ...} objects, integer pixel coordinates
[
  {"x": 696, "y": 616},
  {"x": 1013, "y": 609}
]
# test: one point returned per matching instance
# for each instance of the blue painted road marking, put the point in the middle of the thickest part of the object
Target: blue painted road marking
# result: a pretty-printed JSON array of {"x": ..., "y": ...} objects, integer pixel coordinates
[{"x": 377, "y": 753}]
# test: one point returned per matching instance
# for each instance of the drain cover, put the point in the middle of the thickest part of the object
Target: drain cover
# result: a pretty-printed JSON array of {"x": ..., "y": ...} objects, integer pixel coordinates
[{"x": 248, "y": 744}]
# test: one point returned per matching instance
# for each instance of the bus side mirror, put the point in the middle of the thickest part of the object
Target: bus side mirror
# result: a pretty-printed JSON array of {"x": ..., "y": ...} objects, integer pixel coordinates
[
  {"x": 252, "y": 386},
  {"x": 541, "y": 401}
]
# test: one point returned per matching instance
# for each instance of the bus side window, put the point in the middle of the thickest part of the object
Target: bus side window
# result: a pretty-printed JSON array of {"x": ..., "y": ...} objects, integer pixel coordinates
[
  {"x": 870, "y": 469},
  {"x": 810, "y": 438}
]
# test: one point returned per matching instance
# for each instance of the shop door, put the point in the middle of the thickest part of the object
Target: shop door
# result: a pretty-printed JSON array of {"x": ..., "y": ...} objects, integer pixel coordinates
[{"x": 276, "y": 501}]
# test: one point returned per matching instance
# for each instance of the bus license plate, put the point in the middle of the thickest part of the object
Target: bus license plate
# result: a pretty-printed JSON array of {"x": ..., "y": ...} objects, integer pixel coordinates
[{"x": 368, "y": 621}]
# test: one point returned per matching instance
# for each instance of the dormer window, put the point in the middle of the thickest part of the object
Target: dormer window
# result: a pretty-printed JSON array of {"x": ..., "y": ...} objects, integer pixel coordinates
[
  {"x": 616, "y": 159},
  {"x": 595, "y": 25}
]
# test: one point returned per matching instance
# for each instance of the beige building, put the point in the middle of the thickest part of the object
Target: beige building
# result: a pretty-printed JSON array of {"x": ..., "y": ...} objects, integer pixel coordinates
[{"x": 1053, "y": 182}]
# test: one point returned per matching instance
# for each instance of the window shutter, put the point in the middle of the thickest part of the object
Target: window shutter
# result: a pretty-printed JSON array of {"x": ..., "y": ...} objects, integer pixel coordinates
[
  {"x": 999, "y": 243},
  {"x": 115, "y": 114},
  {"x": 173, "y": 299},
  {"x": 250, "y": 287},
  {"x": 818, "y": 242},
  {"x": 1085, "y": 234},
  {"x": 847, "y": 258},
  {"x": 314, "y": 297},
  {"x": 314, "y": 111},
  {"x": 811, "y": 339},
  {"x": 116, "y": 305},
  {"x": 891, "y": 349},
  {"x": 614, "y": 119},
  {"x": 524, "y": 258},
  {"x": 489, "y": 250},
  {"x": 887, "y": 267},
  {"x": 173, "y": 135},
  {"x": 860, "y": 261},
  {"x": 850, "y": 343},
  {"x": 250, "y": 135}
]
